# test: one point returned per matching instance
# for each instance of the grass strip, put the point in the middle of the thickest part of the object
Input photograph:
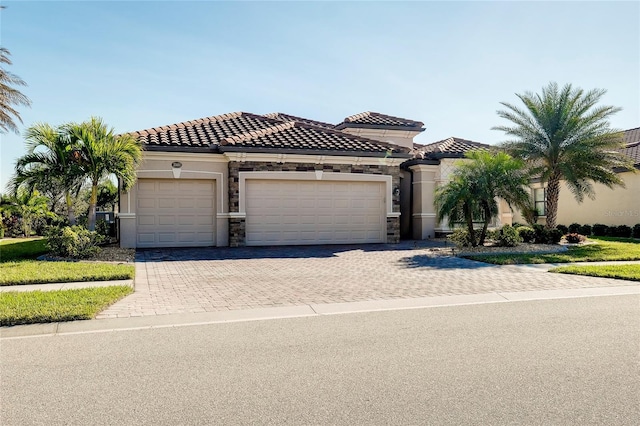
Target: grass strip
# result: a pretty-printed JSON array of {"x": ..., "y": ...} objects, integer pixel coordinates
[
  {"x": 603, "y": 250},
  {"x": 41, "y": 272},
  {"x": 22, "y": 248},
  {"x": 32, "y": 307},
  {"x": 622, "y": 272}
]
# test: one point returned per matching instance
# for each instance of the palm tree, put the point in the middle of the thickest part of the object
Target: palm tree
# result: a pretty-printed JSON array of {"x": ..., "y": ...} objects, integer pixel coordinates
[
  {"x": 476, "y": 186},
  {"x": 49, "y": 163},
  {"x": 29, "y": 206},
  {"x": 102, "y": 153},
  {"x": 562, "y": 134},
  {"x": 10, "y": 97},
  {"x": 456, "y": 202},
  {"x": 497, "y": 176}
]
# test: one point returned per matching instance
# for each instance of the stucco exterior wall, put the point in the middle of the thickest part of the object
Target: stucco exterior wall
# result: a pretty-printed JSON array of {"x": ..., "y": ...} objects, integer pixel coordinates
[
  {"x": 617, "y": 206},
  {"x": 160, "y": 165}
]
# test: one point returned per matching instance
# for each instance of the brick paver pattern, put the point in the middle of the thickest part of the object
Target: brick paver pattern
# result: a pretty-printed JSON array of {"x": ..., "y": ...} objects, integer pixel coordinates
[{"x": 176, "y": 281}]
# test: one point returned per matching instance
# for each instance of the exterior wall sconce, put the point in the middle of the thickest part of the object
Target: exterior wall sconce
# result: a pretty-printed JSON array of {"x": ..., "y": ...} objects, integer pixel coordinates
[
  {"x": 176, "y": 168},
  {"x": 396, "y": 191}
]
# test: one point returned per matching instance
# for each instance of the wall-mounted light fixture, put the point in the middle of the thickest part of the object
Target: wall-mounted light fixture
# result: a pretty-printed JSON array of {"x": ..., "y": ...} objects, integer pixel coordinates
[
  {"x": 176, "y": 168},
  {"x": 396, "y": 191}
]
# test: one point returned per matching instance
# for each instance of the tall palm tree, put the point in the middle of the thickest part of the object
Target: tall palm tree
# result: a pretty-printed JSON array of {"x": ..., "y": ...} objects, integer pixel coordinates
[
  {"x": 477, "y": 185},
  {"x": 49, "y": 163},
  {"x": 563, "y": 135},
  {"x": 102, "y": 153},
  {"x": 10, "y": 97}
]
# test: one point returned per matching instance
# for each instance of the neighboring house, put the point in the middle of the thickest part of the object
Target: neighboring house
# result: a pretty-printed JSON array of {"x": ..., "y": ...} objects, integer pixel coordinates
[
  {"x": 245, "y": 179},
  {"x": 611, "y": 206}
]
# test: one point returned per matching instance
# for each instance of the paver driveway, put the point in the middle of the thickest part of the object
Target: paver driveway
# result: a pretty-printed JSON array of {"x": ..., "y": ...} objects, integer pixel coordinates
[{"x": 217, "y": 279}]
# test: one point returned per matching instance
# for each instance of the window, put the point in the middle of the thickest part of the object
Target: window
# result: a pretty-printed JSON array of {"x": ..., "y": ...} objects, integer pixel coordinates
[{"x": 539, "y": 200}]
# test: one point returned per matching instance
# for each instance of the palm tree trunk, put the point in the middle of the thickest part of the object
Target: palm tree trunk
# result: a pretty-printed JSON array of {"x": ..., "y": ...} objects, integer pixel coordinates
[
  {"x": 71, "y": 215},
  {"x": 469, "y": 216},
  {"x": 551, "y": 203},
  {"x": 487, "y": 218},
  {"x": 92, "y": 206}
]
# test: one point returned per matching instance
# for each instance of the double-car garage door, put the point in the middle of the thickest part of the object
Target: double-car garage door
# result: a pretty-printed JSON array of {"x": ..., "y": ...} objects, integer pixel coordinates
[
  {"x": 181, "y": 213},
  {"x": 283, "y": 212}
]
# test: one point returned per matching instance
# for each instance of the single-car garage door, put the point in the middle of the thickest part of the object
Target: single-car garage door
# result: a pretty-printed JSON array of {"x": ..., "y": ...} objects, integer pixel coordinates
[
  {"x": 283, "y": 212},
  {"x": 175, "y": 213}
]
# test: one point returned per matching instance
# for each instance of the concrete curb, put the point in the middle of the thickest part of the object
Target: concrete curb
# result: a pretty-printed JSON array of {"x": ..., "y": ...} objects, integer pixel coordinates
[
  {"x": 180, "y": 320},
  {"x": 64, "y": 286}
]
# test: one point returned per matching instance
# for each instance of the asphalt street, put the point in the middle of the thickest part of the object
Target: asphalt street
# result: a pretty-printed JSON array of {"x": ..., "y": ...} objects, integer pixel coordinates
[{"x": 568, "y": 361}]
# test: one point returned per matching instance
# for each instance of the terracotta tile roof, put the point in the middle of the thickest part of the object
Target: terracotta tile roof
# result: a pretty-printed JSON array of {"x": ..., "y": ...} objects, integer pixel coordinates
[
  {"x": 203, "y": 132},
  {"x": 244, "y": 131},
  {"x": 288, "y": 117},
  {"x": 375, "y": 119},
  {"x": 294, "y": 135},
  {"x": 632, "y": 148},
  {"x": 449, "y": 148}
]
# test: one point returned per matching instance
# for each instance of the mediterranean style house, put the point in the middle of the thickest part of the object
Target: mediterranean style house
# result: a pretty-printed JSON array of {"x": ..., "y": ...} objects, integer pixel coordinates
[
  {"x": 246, "y": 179},
  {"x": 259, "y": 180}
]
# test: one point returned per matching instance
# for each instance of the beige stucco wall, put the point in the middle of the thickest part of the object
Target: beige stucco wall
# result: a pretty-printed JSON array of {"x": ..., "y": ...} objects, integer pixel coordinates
[
  {"x": 617, "y": 206},
  {"x": 403, "y": 138},
  {"x": 158, "y": 165}
]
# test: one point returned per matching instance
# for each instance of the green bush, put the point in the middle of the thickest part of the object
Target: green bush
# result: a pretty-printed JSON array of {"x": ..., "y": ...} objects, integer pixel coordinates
[
  {"x": 461, "y": 238},
  {"x": 599, "y": 230},
  {"x": 585, "y": 230},
  {"x": 574, "y": 228},
  {"x": 508, "y": 237},
  {"x": 623, "y": 231},
  {"x": 527, "y": 234},
  {"x": 575, "y": 238},
  {"x": 553, "y": 236},
  {"x": 636, "y": 230},
  {"x": 563, "y": 229},
  {"x": 73, "y": 241}
]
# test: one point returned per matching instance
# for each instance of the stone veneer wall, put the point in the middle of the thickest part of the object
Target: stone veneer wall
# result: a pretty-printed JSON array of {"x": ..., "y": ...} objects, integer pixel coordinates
[{"x": 237, "y": 228}]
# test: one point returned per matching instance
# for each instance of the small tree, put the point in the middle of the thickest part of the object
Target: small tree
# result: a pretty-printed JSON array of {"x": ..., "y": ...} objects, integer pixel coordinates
[
  {"x": 476, "y": 187},
  {"x": 28, "y": 206}
]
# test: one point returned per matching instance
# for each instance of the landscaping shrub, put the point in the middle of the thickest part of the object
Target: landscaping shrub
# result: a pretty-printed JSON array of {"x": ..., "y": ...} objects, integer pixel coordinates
[
  {"x": 540, "y": 236},
  {"x": 73, "y": 241},
  {"x": 585, "y": 230},
  {"x": 508, "y": 237},
  {"x": 461, "y": 237},
  {"x": 574, "y": 228},
  {"x": 599, "y": 230},
  {"x": 575, "y": 238},
  {"x": 553, "y": 236},
  {"x": 493, "y": 234},
  {"x": 636, "y": 230},
  {"x": 623, "y": 231},
  {"x": 563, "y": 229},
  {"x": 527, "y": 234}
]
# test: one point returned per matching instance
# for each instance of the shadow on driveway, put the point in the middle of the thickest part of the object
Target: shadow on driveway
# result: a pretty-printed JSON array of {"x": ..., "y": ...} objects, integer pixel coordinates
[
  {"x": 429, "y": 261},
  {"x": 274, "y": 252}
]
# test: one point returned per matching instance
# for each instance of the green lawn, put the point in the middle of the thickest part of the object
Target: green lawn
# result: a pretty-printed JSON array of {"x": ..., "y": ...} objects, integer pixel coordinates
[
  {"x": 605, "y": 249},
  {"x": 623, "y": 272},
  {"x": 22, "y": 248},
  {"x": 52, "y": 306},
  {"x": 17, "y": 266},
  {"x": 37, "y": 272}
]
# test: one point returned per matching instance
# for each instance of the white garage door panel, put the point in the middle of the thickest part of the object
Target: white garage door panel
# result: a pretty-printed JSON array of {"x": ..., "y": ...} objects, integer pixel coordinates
[
  {"x": 310, "y": 212},
  {"x": 172, "y": 213}
]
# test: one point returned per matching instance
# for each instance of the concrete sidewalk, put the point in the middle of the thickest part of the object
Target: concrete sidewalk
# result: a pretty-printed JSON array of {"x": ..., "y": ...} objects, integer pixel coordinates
[
  {"x": 188, "y": 319},
  {"x": 64, "y": 286}
]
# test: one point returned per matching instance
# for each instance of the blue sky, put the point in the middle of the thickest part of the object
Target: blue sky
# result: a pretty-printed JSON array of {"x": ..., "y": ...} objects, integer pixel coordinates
[{"x": 448, "y": 64}]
